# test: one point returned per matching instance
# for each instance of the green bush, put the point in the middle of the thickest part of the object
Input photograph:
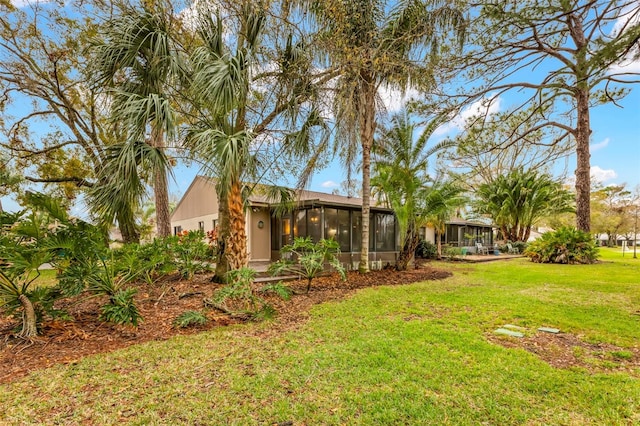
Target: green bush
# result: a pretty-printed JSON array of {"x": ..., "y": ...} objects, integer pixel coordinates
[
  {"x": 566, "y": 245},
  {"x": 145, "y": 262},
  {"x": 191, "y": 253},
  {"x": 307, "y": 259},
  {"x": 121, "y": 308},
  {"x": 452, "y": 253},
  {"x": 426, "y": 250},
  {"x": 190, "y": 318}
]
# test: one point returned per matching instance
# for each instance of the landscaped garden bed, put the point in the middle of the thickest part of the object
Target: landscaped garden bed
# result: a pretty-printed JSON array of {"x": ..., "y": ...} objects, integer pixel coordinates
[{"x": 160, "y": 304}]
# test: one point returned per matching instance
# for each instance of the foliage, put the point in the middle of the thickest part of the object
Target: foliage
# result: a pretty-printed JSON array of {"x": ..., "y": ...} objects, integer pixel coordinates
[
  {"x": 401, "y": 178},
  {"x": 278, "y": 288},
  {"x": 190, "y": 318},
  {"x": 191, "y": 253},
  {"x": 375, "y": 44},
  {"x": 141, "y": 261},
  {"x": 519, "y": 200},
  {"x": 121, "y": 308},
  {"x": 307, "y": 259},
  {"x": 238, "y": 293},
  {"x": 245, "y": 88},
  {"x": 612, "y": 212},
  {"x": 384, "y": 326},
  {"x": 44, "y": 67},
  {"x": 426, "y": 250},
  {"x": 566, "y": 245},
  {"x": 452, "y": 253},
  {"x": 579, "y": 49},
  {"x": 495, "y": 146}
]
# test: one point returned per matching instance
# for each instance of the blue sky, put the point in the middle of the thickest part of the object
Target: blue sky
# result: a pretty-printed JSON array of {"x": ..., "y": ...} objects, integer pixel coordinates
[{"x": 615, "y": 147}]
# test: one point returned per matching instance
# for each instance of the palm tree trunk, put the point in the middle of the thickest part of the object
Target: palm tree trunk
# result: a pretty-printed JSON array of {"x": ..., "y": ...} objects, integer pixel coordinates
[
  {"x": 127, "y": 226},
  {"x": 367, "y": 130},
  {"x": 407, "y": 255},
  {"x": 222, "y": 263},
  {"x": 29, "y": 328},
  {"x": 236, "y": 251},
  {"x": 161, "y": 191}
]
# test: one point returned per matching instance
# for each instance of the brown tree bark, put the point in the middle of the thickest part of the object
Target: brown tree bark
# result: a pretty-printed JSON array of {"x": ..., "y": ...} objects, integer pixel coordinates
[
  {"x": 583, "y": 166},
  {"x": 236, "y": 242},
  {"x": 127, "y": 227},
  {"x": 407, "y": 255},
  {"x": 29, "y": 325},
  {"x": 367, "y": 130},
  {"x": 222, "y": 263},
  {"x": 161, "y": 192}
]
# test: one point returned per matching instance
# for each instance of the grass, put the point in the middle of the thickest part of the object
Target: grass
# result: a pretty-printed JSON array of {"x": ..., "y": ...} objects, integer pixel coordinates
[{"x": 413, "y": 354}]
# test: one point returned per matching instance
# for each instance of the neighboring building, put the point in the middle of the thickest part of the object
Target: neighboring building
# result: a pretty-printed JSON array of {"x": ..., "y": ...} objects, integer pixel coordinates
[{"x": 317, "y": 215}]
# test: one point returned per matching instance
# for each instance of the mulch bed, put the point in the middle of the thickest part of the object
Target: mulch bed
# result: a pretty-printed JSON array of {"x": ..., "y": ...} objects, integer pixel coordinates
[
  {"x": 566, "y": 350},
  {"x": 160, "y": 304}
]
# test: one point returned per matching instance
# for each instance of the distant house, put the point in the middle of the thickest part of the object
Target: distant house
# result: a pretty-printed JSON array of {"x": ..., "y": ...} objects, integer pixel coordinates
[{"x": 317, "y": 215}]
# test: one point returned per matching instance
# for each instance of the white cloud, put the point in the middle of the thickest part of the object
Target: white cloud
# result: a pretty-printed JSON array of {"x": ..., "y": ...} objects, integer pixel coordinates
[
  {"x": 629, "y": 17},
  {"x": 599, "y": 145},
  {"x": 602, "y": 175},
  {"x": 394, "y": 100},
  {"x": 329, "y": 184},
  {"x": 485, "y": 106}
]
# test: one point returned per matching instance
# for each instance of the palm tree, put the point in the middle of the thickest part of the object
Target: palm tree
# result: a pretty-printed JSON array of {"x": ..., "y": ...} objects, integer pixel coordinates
[
  {"x": 378, "y": 44},
  {"x": 401, "y": 175},
  {"x": 239, "y": 89},
  {"x": 517, "y": 201},
  {"x": 138, "y": 60}
]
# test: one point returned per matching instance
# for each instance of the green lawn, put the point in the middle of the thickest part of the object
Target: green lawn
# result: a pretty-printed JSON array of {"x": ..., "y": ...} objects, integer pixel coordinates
[{"x": 415, "y": 354}]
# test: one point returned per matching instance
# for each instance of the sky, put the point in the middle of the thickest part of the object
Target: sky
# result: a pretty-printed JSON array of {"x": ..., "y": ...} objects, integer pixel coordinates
[{"x": 615, "y": 146}]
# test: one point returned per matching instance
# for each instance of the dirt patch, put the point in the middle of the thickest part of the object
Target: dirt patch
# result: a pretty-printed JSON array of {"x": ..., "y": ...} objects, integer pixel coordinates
[
  {"x": 160, "y": 304},
  {"x": 565, "y": 350}
]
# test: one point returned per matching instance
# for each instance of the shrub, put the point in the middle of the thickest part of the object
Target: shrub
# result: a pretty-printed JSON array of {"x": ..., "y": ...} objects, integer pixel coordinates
[
  {"x": 190, "y": 318},
  {"x": 144, "y": 261},
  {"x": 121, "y": 308},
  {"x": 307, "y": 259},
  {"x": 566, "y": 245},
  {"x": 426, "y": 250},
  {"x": 191, "y": 253},
  {"x": 238, "y": 298},
  {"x": 452, "y": 253}
]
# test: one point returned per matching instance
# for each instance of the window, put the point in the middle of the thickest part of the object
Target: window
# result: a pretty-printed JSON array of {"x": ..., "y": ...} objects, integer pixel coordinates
[
  {"x": 201, "y": 226},
  {"x": 344, "y": 227},
  {"x": 314, "y": 228},
  {"x": 385, "y": 232},
  {"x": 356, "y": 231},
  {"x": 177, "y": 230},
  {"x": 215, "y": 223},
  {"x": 300, "y": 225}
]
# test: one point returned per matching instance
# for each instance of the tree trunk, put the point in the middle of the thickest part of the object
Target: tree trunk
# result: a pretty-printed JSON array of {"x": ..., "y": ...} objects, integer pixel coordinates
[
  {"x": 367, "y": 130},
  {"x": 29, "y": 328},
  {"x": 127, "y": 226},
  {"x": 236, "y": 242},
  {"x": 407, "y": 255},
  {"x": 438, "y": 243},
  {"x": 583, "y": 167},
  {"x": 222, "y": 263},
  {"x": 161, "y": 191}
]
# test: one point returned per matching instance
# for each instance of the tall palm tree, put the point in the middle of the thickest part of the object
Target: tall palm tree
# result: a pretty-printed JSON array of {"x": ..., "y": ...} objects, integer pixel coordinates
[
  {"x": 378, "y": 44},
  {"x": 138, "y": 61},
  {"x": 240, "y": 89},
  {"x": 401, "y": 175}
]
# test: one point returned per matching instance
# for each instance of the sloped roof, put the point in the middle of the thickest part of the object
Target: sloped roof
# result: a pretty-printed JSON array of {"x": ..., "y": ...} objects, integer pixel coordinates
[{"x": 306, "y": 197}]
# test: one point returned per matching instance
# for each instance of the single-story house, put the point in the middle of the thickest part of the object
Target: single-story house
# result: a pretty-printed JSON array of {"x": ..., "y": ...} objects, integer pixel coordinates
[{"x": 317, "y": 215}]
